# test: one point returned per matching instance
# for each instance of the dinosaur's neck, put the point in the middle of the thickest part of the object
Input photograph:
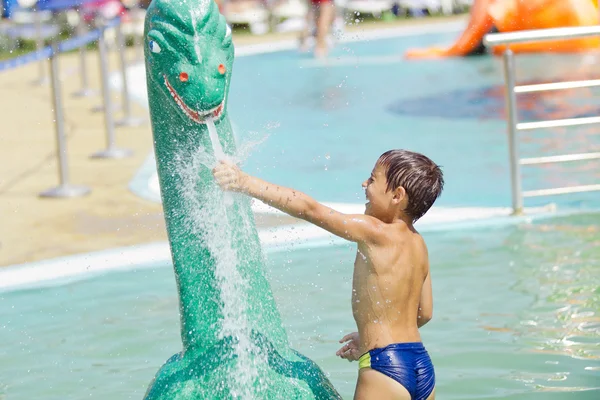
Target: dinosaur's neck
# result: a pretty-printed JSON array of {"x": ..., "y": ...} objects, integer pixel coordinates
[
  {"x": 216, "y": 252},
  {"x": 184, "y": 159}
]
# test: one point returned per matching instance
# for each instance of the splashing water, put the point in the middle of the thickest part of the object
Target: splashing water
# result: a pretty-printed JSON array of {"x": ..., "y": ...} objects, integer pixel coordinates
[
  {"x": 208, "y": 219},
  {"x": 219, "y": 153},
  {"x": 214, "y": 138},
  {"x": 248, "y": 145}
]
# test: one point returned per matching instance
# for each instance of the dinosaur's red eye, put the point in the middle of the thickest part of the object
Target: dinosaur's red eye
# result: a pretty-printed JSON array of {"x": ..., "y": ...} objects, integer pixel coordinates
[
  {"x": 222, "y": 69},
  {"x": 183, "y": 77}
]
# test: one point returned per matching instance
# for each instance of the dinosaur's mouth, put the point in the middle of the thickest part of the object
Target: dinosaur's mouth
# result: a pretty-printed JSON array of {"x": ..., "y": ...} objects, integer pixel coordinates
[{"x": 197, "y": 116}]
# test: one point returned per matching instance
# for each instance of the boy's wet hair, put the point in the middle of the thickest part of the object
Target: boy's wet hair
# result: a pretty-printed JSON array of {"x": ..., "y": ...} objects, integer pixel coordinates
[{"x": 422, "y": 179}]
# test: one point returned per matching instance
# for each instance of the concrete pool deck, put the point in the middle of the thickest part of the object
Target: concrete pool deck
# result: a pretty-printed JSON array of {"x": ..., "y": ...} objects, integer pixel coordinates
[{"x": 34, "y": 228}]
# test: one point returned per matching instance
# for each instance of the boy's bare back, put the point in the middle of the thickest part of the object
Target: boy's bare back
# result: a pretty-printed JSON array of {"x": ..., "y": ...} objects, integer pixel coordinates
[{"x": 387, "y": 285}]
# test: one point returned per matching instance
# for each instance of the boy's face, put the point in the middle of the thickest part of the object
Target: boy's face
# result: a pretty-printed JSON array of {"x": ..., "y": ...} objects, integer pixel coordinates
[{"x": 379, "y": 200}]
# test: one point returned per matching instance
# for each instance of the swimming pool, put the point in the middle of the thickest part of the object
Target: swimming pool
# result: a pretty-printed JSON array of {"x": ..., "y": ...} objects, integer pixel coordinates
[
  {"x": 516, "y": 317},
  {"x": 326, "y": 122},
  {"x": 516, "y": 312}
]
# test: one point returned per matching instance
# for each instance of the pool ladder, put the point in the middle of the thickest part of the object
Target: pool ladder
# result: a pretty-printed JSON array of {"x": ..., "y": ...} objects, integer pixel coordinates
[{"x": 514, "y": 126}]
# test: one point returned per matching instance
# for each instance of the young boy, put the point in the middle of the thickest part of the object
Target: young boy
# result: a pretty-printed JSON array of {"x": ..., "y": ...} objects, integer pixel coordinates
[{"x": 391, "y": 295}]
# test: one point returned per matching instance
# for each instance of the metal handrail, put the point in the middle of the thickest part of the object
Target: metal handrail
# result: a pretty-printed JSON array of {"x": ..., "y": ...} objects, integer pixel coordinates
[
  {"x": 497, "y": 39},
  {"x": 543, "y": 87},
  {"x": 557, "y": 123},
  {"x": 561, "y": 158},
  {"x": 539, "y": 35}
]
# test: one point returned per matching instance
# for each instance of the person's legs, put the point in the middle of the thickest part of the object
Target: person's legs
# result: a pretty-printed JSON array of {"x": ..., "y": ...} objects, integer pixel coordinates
[
  {"x": 325, "y": 16},
  {"x": 375, "y": 385},
  {"x": 307, "y": 31}
]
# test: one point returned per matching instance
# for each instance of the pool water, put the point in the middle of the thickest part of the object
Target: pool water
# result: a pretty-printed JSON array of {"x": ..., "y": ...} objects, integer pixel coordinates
[
  {"x": 516, "y": 316},
  {"x": 319, "y": 126},
  {"x": 328, "y": 121}
]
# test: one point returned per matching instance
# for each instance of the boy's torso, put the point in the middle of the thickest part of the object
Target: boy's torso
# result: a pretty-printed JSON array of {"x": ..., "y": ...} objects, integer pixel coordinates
[{"x": 386, "y": 290}]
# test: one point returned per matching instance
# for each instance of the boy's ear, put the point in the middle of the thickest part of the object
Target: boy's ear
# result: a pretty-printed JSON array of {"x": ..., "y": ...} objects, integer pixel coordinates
[{"x": 399, "y": 194}]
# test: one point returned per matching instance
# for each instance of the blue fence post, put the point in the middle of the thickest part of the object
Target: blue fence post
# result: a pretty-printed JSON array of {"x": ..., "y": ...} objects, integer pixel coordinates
[
  {"x": 111, "y": 150},
  {"x": 64, "y": 189}
]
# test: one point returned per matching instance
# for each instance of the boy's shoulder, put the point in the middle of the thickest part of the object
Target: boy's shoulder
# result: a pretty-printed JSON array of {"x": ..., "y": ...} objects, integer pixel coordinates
[
  {"x": 404, "y": 235},
  {"x": 412, "y": 239}
]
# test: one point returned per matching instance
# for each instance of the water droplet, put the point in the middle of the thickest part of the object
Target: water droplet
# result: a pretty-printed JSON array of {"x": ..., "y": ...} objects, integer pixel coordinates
[{"x": 327, "y": 156}]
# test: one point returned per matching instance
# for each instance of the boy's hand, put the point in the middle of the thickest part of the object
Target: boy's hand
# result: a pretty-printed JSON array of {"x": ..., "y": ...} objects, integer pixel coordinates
[
  {"x": 349, "y": 351},
  {"x": 229, "y": 176}
]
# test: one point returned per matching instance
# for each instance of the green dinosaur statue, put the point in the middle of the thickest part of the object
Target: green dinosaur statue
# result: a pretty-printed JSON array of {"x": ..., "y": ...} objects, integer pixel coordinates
[{"x": 234, "y": 345}]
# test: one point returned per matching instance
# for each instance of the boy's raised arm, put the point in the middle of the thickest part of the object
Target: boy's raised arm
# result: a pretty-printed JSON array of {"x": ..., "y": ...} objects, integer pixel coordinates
[{"x": 353, "y": 227}]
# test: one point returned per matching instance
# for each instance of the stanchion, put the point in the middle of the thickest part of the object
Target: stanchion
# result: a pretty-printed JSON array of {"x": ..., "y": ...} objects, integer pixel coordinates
[
  {"x": 111, "y": 150},
  {"x": 139, "y": 14},
  {"x": 85, "y": 91},
  {"x": 39, "y": 44},
  {"x": 128, "y": 119},
  {"x": 103, "y": 23},
  {"x": 64, "y": 189}
]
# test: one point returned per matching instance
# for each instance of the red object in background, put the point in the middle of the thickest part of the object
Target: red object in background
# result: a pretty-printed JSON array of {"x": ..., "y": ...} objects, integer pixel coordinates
[{"x": 107, "y": 9}]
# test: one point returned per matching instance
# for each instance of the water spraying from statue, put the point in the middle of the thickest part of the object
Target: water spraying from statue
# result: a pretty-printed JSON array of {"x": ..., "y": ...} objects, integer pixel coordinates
[{"x": 234, "y": 345}]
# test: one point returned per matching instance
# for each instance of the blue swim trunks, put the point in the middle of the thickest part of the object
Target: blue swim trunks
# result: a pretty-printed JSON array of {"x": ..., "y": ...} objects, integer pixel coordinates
[{"x": 406, "y": 363}]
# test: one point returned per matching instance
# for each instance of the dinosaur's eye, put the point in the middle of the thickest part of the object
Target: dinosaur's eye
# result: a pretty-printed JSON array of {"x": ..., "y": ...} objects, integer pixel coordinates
[
  {"x": 154, "y": 47},
  {"x": 227, "y": 30}
]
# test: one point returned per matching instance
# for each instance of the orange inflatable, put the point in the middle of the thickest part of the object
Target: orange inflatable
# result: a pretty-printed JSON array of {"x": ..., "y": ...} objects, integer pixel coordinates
[{"x": 518, "y": 15}]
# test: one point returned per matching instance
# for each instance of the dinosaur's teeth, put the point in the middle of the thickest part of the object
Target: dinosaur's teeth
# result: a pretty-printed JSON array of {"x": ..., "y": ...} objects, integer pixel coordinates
[{"x": 194, "y": 115}]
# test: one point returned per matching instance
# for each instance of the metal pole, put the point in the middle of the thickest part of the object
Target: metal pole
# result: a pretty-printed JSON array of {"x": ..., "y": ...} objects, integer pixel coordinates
[
  {"x": 101, "y": 22},
  {"x": 64, "y": 189},
  {"x": 39, "y": 44},
  {"x": 137, "y": 39},
  {"x": 513, "y": 148},
  {"x": 85, "y": 91},
  {"x": 127, "y": 120},
  {"x": 111, "y": 150}
]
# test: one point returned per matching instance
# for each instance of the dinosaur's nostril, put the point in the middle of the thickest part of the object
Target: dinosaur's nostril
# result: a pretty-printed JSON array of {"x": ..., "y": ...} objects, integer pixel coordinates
[
  {"x": 183, "y": 77},
  {"x": 222, "y": 69}
]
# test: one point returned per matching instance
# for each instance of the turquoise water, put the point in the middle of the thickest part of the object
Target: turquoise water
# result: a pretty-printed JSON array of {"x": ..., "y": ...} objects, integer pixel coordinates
[
  {"x": 328, "y": 124},
  {"x": 516, "y": 316}
]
